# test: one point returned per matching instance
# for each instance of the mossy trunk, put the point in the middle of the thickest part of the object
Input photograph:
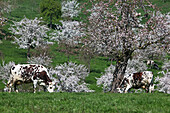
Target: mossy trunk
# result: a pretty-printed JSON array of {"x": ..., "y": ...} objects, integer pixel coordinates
[{"x": 120, "y": 69}]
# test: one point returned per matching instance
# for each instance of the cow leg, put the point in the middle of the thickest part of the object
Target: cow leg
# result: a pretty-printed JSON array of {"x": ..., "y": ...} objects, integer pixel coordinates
[
  {"x": 34, "y": 85},
  {"x": 127, "y": 88},
  {"x": 9, "y": 87},
  {"x": 151, "y": 88},
  {"x": 10, "y": 83},
  {"x": 15, "y": 87},
  {"x": 147, "y": 89},
  {"x": 45, "y": 89}
]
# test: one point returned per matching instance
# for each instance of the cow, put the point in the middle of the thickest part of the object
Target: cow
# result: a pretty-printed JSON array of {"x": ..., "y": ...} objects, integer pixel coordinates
[
  {"x": 27, "y": 73},
  {"x": 137, "y": 80},
  {"x": 152, "y": 64}
]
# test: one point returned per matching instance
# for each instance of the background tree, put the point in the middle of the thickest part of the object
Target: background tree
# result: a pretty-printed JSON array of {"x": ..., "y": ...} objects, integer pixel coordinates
[
  {"x": 30, "y": 32},
  {"x": 69, "y": 31},
  {"x": 66, "y": 37},
  {"x": 124, "y": 30},
  {"x": 50, "y": 10},
  {"x": 86, "y": 53}
]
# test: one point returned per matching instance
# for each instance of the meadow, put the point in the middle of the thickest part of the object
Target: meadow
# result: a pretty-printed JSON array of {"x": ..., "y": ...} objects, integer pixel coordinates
[{"x": 84, "y": 103}]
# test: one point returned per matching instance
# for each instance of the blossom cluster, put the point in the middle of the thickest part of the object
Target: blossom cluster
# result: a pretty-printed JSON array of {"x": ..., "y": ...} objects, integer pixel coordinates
[
  {"x": 106, "y": 79},
  {"x": 111, "y": 34},
  {"x": 135, "y": 65},
  {"x": 70, "y": 9},
  {"x": 70, "y": 77},
  {"x": 5, "y": 71},
  {"x": 42, "y": 59},
  {"x": 68, "y": 33},
  {"x": 31, "y": 32},
  {"x": 163, "y": 82}
]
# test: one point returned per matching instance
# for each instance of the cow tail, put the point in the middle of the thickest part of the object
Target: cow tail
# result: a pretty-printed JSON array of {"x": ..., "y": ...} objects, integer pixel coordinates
[{"x": 151, "y": 80}]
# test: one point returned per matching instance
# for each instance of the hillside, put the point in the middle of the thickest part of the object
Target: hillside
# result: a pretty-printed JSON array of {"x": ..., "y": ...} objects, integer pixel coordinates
[
  {"x": 62, "y": 101},
  {"x": 30, "y": 9}
]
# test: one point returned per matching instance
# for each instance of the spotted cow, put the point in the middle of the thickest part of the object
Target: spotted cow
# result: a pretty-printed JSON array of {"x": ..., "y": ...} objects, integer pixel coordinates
[
  {"x": 137, "y": 80},
  {"x": 26, "y": 73},
  {"x": 152, "y": 64}
]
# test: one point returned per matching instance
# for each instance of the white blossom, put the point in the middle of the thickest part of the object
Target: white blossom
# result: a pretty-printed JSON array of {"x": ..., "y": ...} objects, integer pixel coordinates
[
  {"x": 135, "y": 65},
  {"x": 163, "y": 82},
  {"x": 30, "y": 32},
  {"x": 70, "y": 77},
  {"x": 106, "y": 79},
  {"x": 5, "y": 71},
  {"x": 70, "y": 8},
  {"x": 42, "y": 59},
  {"x": 68, "y": 33}
]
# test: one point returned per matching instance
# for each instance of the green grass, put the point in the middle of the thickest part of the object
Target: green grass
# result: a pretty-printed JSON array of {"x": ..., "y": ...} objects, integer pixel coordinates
[
  {"x": 163, "y": 6},
  {"x": 10, "y": 52},
  {"x": 84, "y": 103},
  {"x": 30, "y": 8}
]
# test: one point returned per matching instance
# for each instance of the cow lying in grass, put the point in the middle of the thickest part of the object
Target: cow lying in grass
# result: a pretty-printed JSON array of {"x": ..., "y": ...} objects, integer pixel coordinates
[
  {"x": 26, "y": 73},
  {"x": 137, "y": 80}
]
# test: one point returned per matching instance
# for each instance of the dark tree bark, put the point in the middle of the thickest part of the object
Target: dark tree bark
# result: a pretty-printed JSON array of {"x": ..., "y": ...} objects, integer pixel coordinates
[
  {"x": 121, "y": 64},
  {"x": 28, "y": 52},
  {"x": 51, "y": 17}
]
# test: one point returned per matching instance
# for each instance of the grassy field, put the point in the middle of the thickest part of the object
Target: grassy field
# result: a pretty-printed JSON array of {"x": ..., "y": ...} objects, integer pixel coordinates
[{"x": 84, "y": 103}]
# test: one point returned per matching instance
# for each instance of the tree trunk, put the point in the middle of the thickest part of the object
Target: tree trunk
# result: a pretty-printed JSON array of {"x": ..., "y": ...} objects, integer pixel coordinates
[
  {"x": 120, "y": 69},
  {"x": 89, "y": 64},
  {"x": 28, "y": 52},
  {"x": 51, "y": 17}
]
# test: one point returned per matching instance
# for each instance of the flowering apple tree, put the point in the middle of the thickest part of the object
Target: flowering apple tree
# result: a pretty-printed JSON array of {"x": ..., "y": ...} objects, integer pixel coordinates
[
  {"x": 69, "y": 31},
  {"x": 31, "y": 33},
  {"x": 134, "y": 65},
  {"x": 123, "y": 27}
]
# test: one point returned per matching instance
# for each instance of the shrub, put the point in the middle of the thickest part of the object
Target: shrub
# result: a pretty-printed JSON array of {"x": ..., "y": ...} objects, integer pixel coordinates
[
  {"x": 163, "y": 82},
  {"x": 106, "y": 79},
  {"x": 5, "y": 71},
  {"x": 71, "y": 77}
]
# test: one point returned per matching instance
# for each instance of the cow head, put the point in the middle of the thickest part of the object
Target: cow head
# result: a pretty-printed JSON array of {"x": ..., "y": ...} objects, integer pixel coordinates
[
  {"x": 119, "y": 90},
  {"x": 51, "y": 87}
]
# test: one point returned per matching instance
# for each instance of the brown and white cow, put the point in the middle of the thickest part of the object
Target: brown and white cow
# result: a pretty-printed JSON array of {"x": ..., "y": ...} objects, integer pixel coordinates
[
  {"x": 26, "y": 73},
  {"x": 137, "y": 80}
]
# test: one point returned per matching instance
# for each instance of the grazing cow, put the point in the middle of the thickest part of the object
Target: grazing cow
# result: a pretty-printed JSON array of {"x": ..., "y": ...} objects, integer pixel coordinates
[
  {"x": 26, "y": 73},
  {"x": 137, "y": 80},
  {"x": 152, "y": 64}
]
